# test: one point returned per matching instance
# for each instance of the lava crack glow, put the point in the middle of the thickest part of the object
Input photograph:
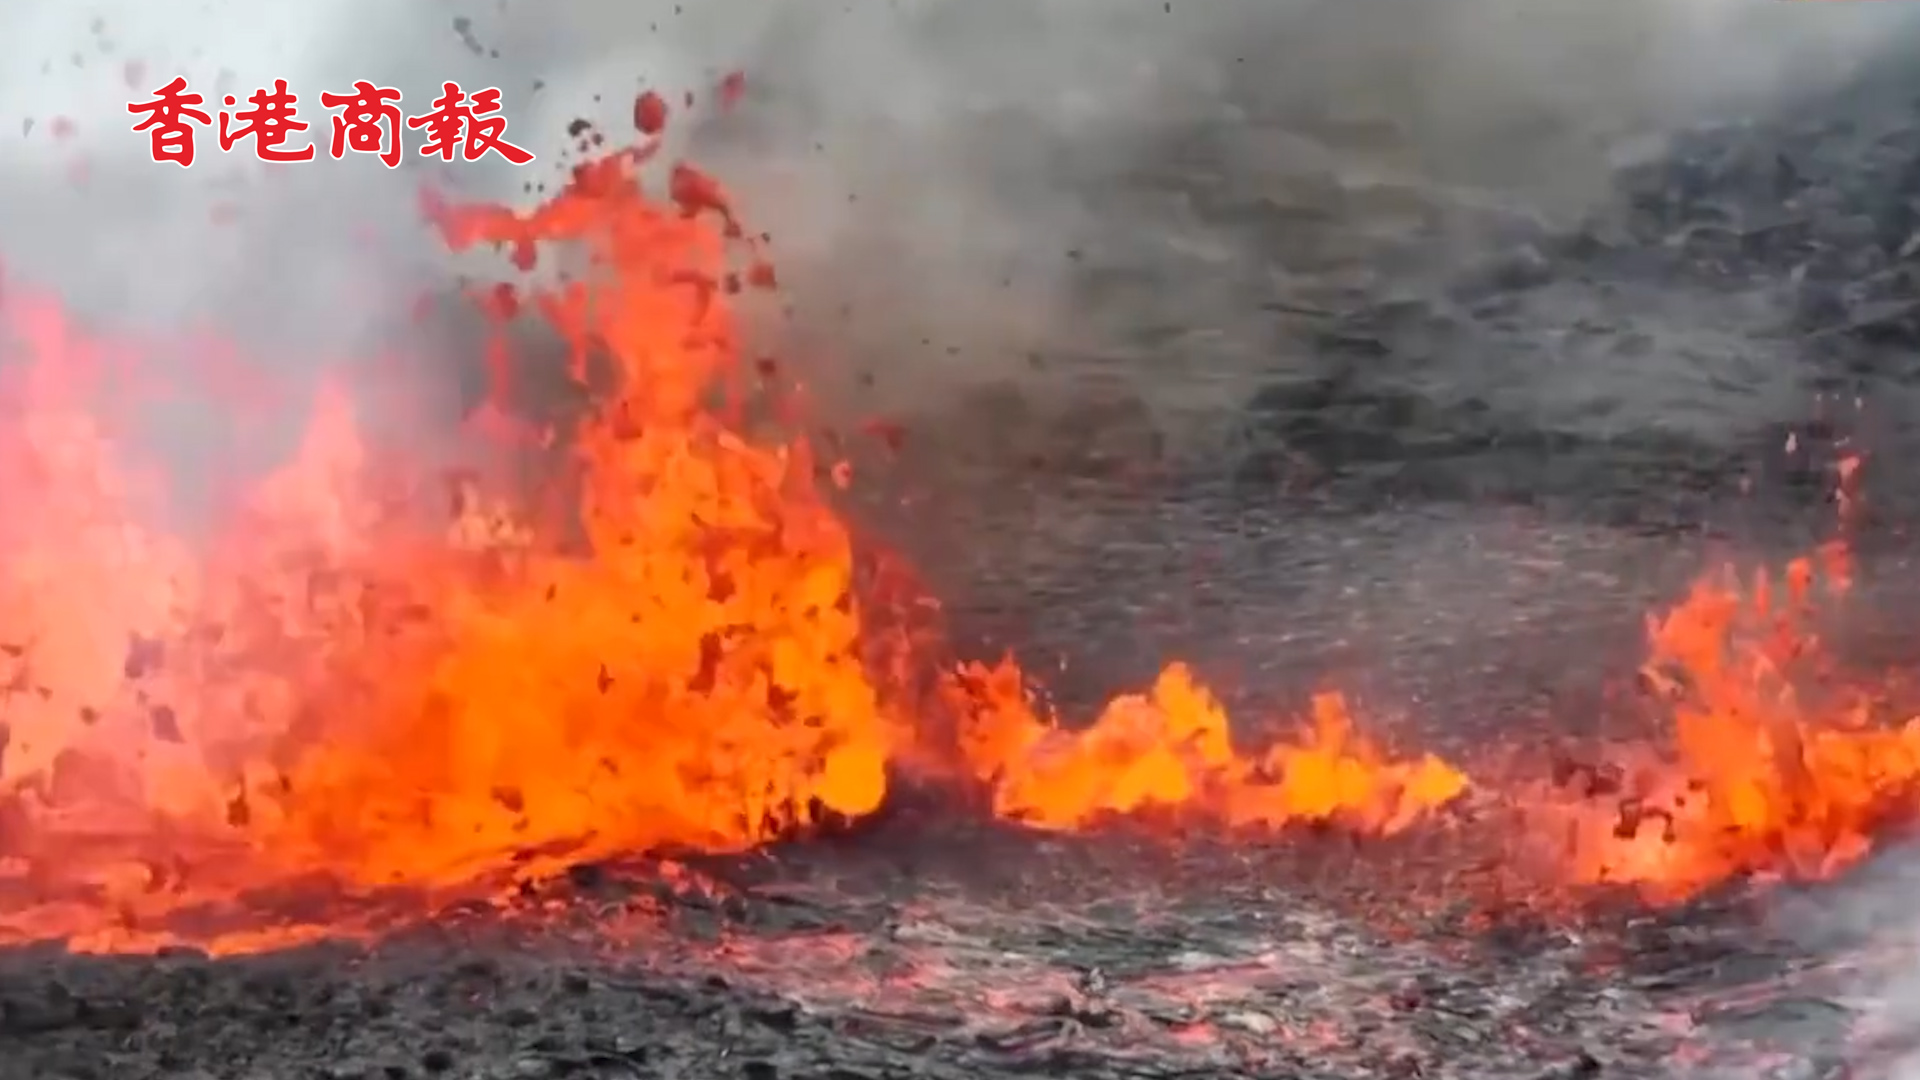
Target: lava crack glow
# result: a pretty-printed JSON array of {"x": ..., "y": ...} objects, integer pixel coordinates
[{"x": 347, "y": 694}]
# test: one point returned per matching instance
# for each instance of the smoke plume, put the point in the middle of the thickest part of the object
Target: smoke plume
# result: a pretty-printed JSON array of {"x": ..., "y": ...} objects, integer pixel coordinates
[{"x": 953, "y": 188}]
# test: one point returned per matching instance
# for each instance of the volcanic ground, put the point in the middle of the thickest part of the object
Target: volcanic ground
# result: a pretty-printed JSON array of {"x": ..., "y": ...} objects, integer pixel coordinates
[{"x": 1443, "y": 538}]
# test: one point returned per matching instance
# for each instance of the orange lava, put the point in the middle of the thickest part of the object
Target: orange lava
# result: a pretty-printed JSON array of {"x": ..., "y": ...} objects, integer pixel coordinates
[
  {"x": 342, "y": 686},
  {"x": 1775, "y": 766},
  {"x": 1172, "y": 749},
  {"x": 349, "y": 705}
]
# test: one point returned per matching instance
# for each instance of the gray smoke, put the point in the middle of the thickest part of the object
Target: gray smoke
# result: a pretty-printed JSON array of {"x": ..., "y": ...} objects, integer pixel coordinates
[
  {"x": 946, "y": 169},
  {"x": 936, "y": 172}
]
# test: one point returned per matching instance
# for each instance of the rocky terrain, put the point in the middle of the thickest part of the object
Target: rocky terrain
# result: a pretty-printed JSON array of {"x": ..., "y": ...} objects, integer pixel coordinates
[{"x": 896, "y": 958}]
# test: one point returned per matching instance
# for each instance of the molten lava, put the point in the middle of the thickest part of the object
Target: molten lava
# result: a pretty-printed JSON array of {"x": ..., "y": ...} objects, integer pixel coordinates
[
  {"x": 347, "y": 706},
  {"x": 1775, "y": 768},
  {"x": 1172, "y": 749},
  {"x": 342, "y": 686}
]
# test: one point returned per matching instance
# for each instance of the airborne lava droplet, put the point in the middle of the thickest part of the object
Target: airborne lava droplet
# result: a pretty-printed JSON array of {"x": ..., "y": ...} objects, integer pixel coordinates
[
  {"x": 696, "y": 193},
  {"x": 144, "y": 655},
  {"x": 650, "y": 113},
  {"x": 504, "y": 301},
  {"x": 166, "y": 724}
]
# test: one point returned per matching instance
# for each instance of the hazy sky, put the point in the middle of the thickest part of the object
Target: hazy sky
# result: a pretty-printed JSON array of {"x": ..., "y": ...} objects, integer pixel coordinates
[
  {"x": 933, "y": 166},
  {"x": 876, "y": 97}
]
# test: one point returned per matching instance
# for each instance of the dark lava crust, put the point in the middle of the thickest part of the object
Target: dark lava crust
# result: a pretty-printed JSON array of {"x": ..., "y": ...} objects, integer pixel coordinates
[{"x": 863, "y": 959}]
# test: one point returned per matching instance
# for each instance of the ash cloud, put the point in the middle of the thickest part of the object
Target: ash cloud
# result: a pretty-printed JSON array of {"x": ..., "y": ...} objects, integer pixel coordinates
[
  {"x": 956, "y": 189},
  {"x": 1063, "y": 197},
  {"x": 952, "y": 187},
  {"x": 1057, "y": 196}
]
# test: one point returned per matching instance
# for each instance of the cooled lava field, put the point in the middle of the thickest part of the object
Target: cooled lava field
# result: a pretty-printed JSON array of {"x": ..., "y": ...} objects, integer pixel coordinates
[{"x": 1515, "y": 690}]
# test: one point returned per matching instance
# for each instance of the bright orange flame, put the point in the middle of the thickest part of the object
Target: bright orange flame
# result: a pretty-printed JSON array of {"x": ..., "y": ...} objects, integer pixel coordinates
[
  {"x": 1773, "y": 769},
  {"x": 348, "y": 688},
  {"x": 697, "y": 680},
  {"x": 1172, "y": 748}
]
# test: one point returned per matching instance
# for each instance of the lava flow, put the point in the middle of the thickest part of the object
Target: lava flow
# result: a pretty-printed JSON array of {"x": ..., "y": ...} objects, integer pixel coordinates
[
  {"x": 346, "y": 694},
  {"x": 1778, "y": 766}
]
